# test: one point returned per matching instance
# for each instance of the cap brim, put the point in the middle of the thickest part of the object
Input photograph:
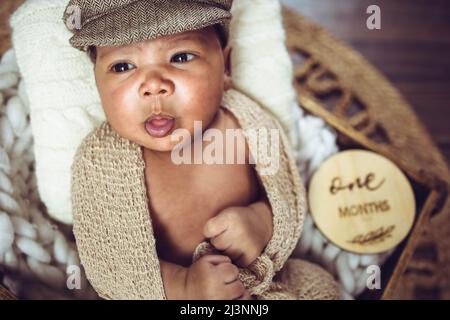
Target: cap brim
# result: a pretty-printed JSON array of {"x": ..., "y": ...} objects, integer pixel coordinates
[{"x": 144, "y": 20}]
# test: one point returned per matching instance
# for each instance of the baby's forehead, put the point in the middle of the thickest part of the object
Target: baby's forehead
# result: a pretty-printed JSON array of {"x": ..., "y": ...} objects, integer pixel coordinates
[{"x": 200, "y": 37}]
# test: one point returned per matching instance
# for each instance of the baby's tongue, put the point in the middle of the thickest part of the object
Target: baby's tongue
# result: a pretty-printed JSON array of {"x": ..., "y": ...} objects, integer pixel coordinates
[
  {"x": 159, "y": 122},
  {"x": 159, "y": 127}
]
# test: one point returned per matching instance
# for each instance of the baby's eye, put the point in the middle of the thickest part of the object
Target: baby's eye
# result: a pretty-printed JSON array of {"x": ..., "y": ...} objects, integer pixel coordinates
[
  {"x": 122, "y": 67},
  {"x": 182, "y": 57}
]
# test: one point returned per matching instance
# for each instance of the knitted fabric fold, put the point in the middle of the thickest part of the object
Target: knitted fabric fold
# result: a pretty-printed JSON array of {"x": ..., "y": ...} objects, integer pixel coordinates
[{"x": 113, "y": 228}]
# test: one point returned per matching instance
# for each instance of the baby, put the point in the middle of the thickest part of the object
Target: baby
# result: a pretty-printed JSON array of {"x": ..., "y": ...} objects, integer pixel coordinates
[{"x": 161, "y": 68}]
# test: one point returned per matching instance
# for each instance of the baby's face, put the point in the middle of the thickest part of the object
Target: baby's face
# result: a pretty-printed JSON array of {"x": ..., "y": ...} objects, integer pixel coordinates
[{"x": 151, "y": 88}]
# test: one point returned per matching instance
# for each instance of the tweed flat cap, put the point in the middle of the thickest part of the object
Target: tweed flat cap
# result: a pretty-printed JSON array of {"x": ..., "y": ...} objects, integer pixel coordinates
[{"x": 121, "y": 22}]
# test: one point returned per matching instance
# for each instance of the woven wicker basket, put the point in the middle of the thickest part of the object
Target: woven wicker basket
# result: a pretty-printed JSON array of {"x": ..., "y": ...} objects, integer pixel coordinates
[{"x": 338, "y": 85}]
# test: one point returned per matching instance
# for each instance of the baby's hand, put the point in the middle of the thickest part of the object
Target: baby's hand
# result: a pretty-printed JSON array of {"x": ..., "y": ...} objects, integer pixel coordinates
[
  {"x": 241, "y": 232},
  {"x": 214, "y": 277}
]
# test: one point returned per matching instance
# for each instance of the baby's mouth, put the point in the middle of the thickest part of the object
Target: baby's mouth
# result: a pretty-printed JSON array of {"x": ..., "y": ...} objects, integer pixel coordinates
[{"x": 159, "y": 126}]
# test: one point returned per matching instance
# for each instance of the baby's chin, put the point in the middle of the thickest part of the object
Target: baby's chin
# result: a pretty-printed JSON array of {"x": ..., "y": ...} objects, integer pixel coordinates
[{"x": 165, "y": 144}]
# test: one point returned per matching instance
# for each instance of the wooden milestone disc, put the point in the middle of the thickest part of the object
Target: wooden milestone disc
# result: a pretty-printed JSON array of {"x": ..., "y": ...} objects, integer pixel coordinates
[{"x": 362, "y": 202}]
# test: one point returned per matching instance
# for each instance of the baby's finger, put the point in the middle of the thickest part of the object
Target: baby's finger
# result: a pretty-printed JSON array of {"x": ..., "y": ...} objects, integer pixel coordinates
[
  {"x": 234, "y": 253},
  {"x": 236, "y": 289},
  {"x": 215, "y": 226},
  {"x": 246, "y": 296},
  {"x": 216, "y": 259},
  {"x": 222, "y": 241},
  {"x": 245, "y": 260},
  {"x": 229, "y": 272}
]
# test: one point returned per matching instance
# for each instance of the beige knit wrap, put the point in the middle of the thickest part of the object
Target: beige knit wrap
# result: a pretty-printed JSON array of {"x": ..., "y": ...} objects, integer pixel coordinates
[{"x": 113, "y": 228}]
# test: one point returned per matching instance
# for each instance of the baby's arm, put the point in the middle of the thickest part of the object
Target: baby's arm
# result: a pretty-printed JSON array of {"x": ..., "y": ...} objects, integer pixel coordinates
[
  {"x": 173, "y": 276},
  {"x": 241, "y": 232}
]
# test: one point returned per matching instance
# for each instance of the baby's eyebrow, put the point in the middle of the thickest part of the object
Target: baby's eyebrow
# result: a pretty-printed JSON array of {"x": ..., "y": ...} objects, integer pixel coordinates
[
  {"x": 167, "y": 44},
  {"x": 189, "y": 37},
  {"x": 125, "y": 49}
]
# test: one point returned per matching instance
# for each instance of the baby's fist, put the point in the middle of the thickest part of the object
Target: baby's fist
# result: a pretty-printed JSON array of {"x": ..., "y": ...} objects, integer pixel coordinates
[
  {"x": 239, "y": 232},
  {"x": 214, "y": 277}
]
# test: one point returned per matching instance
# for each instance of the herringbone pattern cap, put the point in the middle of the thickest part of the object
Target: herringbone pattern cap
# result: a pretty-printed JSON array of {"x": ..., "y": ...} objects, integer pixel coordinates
[{"x": 120, "y": 22}]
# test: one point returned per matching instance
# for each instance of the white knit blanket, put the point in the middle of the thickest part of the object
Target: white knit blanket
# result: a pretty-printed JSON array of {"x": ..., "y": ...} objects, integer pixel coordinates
[{"x": 61, "y": 105}]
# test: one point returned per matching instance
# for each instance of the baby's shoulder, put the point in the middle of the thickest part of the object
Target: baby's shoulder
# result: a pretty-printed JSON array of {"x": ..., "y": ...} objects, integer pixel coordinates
[
  {"x": 248, "y": 112},
  {"x": 103, "y": 146}
]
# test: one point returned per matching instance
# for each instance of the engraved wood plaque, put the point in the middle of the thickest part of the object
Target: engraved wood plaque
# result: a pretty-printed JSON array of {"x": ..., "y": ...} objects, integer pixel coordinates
[{"x": 362, "y": 202}]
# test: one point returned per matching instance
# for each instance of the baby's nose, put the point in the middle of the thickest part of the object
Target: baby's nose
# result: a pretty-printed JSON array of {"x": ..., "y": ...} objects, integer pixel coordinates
[{"x": 156, "y": 85}]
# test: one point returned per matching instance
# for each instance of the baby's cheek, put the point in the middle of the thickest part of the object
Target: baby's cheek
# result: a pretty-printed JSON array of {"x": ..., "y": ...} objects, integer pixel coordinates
[{"x": 121, "y": 102}]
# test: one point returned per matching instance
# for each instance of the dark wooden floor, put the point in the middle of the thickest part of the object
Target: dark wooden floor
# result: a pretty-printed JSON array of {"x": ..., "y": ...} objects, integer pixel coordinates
[{"x": 412, "y": 49}]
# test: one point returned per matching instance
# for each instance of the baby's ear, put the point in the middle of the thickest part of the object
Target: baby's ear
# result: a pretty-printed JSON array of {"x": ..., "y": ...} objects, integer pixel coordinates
[{"x": 227, "y": 61}]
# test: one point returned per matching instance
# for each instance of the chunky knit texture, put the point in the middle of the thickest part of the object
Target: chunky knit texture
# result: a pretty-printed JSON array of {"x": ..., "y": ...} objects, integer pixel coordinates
[
  {"x": 121, "y": 22},
  {"x": 113, "y": 229}
]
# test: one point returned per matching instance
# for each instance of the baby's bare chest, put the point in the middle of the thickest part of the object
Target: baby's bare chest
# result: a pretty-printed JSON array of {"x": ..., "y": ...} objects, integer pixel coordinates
[{"x": 183, "y": 199}]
